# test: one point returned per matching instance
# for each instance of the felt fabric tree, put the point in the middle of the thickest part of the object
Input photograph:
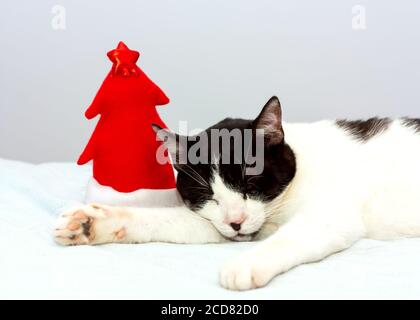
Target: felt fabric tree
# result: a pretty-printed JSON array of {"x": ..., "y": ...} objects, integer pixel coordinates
[{"x": 123, "y": 145}]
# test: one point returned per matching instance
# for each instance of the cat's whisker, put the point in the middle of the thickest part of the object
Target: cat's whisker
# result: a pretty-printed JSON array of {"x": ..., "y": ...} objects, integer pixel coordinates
[
  {"x": 195, "y": 179},
  {"x": 197, "y": 174}
]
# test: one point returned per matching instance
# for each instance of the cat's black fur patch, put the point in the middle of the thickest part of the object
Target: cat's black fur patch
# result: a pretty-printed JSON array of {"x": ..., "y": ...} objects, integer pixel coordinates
[
  {"x": 279, "y": 170},
  {"x": 412, "y": 123},
  {"x": 363, "y": 130}
]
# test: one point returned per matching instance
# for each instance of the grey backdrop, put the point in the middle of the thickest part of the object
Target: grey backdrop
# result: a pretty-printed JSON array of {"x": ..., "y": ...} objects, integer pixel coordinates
[{"x": 213, "y": 58}]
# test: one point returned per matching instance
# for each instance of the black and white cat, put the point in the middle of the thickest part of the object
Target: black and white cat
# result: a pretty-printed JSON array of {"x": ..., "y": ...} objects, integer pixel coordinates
[{"x": 324, "y": 186}]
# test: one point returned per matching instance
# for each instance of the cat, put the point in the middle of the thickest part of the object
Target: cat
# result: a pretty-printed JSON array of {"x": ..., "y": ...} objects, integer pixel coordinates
[{"x": 324, "y": 186}]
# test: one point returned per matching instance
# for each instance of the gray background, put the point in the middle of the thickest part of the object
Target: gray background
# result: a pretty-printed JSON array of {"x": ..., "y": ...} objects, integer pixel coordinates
[{"x": 213, "y": 58}]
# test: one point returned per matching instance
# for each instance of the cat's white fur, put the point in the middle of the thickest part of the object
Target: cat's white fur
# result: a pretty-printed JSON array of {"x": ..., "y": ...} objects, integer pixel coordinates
[{"x": 344, "y": 190}]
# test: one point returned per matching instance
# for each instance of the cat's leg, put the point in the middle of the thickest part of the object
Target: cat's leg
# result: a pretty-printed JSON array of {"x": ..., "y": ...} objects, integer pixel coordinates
[
  {"x": 98, "y": 224},
  {"x": 301, "y": 240}
]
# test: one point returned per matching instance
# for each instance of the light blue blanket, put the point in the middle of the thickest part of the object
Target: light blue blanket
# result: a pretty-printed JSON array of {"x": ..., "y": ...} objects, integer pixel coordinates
[{"x": 33, "y": 266}]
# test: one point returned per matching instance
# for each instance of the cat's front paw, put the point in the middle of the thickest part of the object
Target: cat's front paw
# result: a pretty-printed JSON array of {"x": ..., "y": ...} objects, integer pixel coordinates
[
  {"x": 88, "y": 224},
  {"x": 245, "y": 273}
]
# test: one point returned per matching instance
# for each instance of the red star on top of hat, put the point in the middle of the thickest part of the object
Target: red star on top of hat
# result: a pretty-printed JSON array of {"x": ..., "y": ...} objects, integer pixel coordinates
[{"x": 124, "y": 61}]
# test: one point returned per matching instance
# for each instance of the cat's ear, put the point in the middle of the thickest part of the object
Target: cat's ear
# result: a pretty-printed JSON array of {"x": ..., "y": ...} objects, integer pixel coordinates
[
  {"x": 269, "y": 120},
  {"x": 176, "y": 145}
]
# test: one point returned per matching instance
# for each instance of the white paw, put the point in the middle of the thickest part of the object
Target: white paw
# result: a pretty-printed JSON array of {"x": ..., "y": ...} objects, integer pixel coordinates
[
  {"x": 80, "y": 226},
  {"x": 245, "y": 272}
]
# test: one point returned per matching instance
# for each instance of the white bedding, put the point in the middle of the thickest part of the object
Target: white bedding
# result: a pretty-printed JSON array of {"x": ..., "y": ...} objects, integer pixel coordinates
[{"x": 33, "y": 266}]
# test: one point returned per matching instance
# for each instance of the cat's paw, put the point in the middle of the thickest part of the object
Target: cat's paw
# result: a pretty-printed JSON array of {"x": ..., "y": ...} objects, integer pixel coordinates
[
  {"x": 85, "y": 225},
  {"x": 245, "y": 273}
]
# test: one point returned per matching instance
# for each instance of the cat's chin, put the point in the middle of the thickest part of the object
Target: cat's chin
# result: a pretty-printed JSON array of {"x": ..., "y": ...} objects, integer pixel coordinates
[{"x": 242, "y": 237}]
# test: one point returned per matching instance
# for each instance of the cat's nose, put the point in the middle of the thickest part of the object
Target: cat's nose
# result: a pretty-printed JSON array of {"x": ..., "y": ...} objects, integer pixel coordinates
[
  {"x": 236, "y": 223},
  {"x": 236, "y": 226}
]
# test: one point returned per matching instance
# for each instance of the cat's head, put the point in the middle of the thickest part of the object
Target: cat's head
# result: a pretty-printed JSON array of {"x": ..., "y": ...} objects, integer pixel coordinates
[{"x": 233, "y": 194}]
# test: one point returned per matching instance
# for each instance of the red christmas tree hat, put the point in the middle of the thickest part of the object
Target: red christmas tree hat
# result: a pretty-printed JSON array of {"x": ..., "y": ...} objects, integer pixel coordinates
[{"x": 123, "y": 145}]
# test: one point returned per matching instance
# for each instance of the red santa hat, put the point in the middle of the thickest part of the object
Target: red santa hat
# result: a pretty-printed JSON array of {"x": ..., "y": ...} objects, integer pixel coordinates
[{"x": 123, "y": 145}]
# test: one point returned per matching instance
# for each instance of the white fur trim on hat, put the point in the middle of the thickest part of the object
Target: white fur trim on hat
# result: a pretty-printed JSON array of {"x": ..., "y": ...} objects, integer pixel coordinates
[{"x": 97, "y": 193}]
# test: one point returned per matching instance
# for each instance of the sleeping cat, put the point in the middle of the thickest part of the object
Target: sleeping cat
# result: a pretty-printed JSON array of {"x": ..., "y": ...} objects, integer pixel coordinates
[{"x": 323, "y": 186}]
